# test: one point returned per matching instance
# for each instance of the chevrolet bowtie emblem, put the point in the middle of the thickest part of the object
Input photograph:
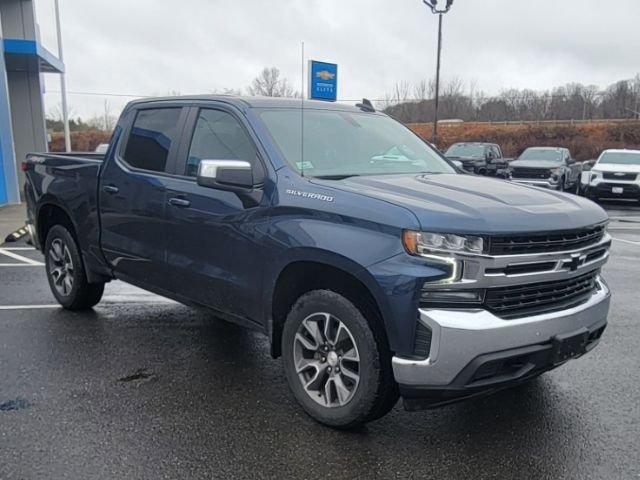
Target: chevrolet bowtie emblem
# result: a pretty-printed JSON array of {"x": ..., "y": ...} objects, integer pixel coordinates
[
  {"x": 325, "y": 75},
  {"x": 577, "y": 261}
]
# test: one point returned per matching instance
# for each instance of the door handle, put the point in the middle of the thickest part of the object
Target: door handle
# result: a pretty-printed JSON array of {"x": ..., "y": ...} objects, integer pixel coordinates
[
  {"x": 112, "y": 189},
  {"x": 179, "y": 202}
]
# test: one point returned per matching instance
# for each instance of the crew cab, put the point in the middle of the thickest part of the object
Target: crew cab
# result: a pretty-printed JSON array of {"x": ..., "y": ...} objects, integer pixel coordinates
[
  {"x": 375, "y": 269},
  {"x": 477, "y": 157},
  {"x": 549, "y": 167},
  {"x": 616, "y": 174}
]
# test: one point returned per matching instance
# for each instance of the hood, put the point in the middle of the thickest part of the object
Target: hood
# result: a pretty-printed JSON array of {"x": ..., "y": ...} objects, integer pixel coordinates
[
  {"x": 546, "y": 164},
  {"x": 615, "y": 167},
  {"x": 459, "y": 203}
]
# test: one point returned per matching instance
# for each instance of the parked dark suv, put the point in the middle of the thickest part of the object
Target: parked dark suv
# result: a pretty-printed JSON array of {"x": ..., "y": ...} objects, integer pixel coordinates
[{"x": 477, "y": 157}]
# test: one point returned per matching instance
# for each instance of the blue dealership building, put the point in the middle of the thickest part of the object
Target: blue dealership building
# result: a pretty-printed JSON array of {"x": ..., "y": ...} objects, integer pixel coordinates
[{"x": 23, "y": 61}]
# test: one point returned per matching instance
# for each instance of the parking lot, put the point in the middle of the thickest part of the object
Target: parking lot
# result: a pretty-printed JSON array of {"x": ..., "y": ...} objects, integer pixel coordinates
[{"x": 143, "y": 387}]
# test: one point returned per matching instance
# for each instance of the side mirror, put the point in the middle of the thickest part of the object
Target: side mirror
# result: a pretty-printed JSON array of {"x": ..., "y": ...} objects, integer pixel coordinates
[{"x": 225, "y": 174}]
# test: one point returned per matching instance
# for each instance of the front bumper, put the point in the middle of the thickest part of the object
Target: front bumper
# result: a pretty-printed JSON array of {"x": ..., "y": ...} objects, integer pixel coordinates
[
  {"x": 474, "y": 352},
  {"x": 605, "y": 189},
  {"x": 537, "y": 183}
]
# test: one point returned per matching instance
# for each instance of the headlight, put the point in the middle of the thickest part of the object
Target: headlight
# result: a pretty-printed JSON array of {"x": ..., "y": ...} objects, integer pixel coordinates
[
  {"x": 426, "y": 243},
  {"x": 556, "y": 172},
  {"x": 594, "y": 175}
]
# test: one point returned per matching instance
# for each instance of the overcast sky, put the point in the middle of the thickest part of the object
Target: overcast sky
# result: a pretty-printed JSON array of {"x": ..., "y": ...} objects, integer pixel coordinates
[{"x": 152, "y": 47}]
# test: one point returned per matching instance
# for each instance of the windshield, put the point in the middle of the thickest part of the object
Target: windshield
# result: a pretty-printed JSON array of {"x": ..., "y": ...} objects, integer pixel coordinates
[
  {"x": 465, "y": 150},
  {"x": 541, "y": 154},
  {"x": 341, "y": 144},
  {"x": 622, "y": 158}
]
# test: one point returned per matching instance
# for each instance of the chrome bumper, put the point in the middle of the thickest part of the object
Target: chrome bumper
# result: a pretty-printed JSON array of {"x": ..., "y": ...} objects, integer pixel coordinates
[{"x": 459, "y": 336}]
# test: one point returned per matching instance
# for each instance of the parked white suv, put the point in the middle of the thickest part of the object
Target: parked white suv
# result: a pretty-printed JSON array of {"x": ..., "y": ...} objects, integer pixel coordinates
[{"x": 616, "y": 174}]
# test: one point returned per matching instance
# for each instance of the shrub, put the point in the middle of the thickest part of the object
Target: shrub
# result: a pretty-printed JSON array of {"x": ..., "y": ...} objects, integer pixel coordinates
[
  {"x": 82, "y": 141},
  {"x": 586, "y": 141}
]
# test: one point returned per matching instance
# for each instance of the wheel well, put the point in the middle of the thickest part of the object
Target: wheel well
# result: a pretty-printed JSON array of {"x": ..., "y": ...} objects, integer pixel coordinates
[
  {"x": 50, "y": 215},
  {"x": 299, "y": 278}
]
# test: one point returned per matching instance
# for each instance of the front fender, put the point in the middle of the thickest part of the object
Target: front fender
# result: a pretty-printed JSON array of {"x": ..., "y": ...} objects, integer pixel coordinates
[{"x": 372, "y": 255}]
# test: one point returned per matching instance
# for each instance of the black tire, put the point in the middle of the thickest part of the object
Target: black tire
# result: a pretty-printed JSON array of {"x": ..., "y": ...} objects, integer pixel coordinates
[
  {"x": 375, "y": 394},
  {"x": 77, "y": 293}
]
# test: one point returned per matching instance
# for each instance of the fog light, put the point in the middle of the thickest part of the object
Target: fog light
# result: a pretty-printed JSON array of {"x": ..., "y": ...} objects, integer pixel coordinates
[{"x": 452, "y": 296}]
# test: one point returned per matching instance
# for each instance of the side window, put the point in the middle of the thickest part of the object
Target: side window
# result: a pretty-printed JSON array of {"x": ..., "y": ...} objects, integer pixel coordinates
[
  {"x": 218, "y": 136},
  {"x": 150, "y": 139},
  {"x": 496, "y": 152}
]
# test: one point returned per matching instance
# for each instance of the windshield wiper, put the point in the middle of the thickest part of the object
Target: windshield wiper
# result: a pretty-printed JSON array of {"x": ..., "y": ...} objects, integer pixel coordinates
[{"x": 336, "y": 177}]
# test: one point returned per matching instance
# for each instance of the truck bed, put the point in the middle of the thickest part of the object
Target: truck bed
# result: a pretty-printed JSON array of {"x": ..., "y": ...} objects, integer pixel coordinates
[{"x": 72, "y": 178}]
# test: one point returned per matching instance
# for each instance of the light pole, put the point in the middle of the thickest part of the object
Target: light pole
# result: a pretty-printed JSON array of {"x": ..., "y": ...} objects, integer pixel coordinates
[{"x": 433, "y": 5}]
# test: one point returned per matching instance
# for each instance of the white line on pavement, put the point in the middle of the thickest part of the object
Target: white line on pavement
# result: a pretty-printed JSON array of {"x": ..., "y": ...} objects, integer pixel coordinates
[
  {"x": 18, "y": 248},
  {"x": 27, "y": 307},
  {"x": 15, "y": 256},
  {"x": 108, "y": 300},
  {"x": 18, "y": 265},
  {"x": 625, "y": 241}
]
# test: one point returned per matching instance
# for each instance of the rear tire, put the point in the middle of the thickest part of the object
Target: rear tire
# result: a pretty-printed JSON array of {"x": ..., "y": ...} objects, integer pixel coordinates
[
  {"x": 66, "y": 274},
  {"x": 323, "y": 335}
]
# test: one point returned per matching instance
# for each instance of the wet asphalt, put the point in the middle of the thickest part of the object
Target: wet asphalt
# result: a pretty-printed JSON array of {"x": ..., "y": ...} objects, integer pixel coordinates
[{"x": 146, "y": 388}]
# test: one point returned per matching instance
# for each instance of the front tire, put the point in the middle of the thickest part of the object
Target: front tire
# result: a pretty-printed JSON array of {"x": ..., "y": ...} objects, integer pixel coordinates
[
  {"x": 336, "y": 362},
  {"x": 66, "y": 274}
]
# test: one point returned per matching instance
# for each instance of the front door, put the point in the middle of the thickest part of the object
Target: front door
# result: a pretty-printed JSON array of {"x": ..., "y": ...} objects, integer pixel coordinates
[{"x": 214, "y": 250}]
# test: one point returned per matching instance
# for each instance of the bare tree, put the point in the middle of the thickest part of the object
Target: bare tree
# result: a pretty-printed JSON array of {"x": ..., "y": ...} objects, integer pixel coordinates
[
  {"x": 270, "y": 84},
  {"x": 55, "y": 113}
]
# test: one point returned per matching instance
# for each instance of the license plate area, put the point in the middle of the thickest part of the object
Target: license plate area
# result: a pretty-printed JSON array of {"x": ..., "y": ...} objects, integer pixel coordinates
[
  {"x": 568, "y": 346},
  {"x": 617, "y": 190}
]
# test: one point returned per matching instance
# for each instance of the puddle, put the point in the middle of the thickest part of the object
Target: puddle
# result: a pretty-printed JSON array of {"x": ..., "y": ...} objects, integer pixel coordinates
[
  {"x": 17, "y": 404},
  {"x": 139, "y": 375}
]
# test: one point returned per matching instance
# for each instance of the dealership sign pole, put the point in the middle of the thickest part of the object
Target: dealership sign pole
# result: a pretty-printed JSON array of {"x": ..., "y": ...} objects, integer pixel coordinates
[{"x": 63, "y": 85}]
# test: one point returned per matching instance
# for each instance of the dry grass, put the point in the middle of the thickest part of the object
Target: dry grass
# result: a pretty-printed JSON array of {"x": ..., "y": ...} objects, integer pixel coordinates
[
  {"x": 83, "y": 141},
  {"x": 584, "y": 141}
]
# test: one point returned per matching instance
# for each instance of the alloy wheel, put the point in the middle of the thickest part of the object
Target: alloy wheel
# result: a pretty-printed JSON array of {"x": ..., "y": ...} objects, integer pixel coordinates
[
  {"x": 61, "y": 267},
  {"x": 326, "y": 360}
]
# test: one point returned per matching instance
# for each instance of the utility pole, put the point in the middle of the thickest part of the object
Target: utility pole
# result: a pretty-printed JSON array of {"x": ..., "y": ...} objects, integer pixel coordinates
[
  {"x": 63, "y": 84},
  {"x": 433, "y": 5}
]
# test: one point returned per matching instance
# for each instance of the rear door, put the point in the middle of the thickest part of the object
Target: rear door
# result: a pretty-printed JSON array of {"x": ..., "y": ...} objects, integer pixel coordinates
[
  {"x": 133, "y": 193},
  {"x": 215, "y": 250}
]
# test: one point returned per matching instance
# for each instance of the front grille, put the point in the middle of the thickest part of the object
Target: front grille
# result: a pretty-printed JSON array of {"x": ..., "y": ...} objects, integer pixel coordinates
[
  {"x": 538, "y": 298},
  {"x": 531, "y": 173},
  {"x": 546, "y": 242},
  {"x": 619, "y": 176}
]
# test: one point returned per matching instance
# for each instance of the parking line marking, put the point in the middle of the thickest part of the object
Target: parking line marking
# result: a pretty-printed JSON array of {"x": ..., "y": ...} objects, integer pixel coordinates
[
  {"x": 15, "y": 256},
  {"x": 18, "y": 265},
  {"x": 625, "y": 241},
  {"x": 18, "y": 248},
  {"x": 28, "y": 307}
]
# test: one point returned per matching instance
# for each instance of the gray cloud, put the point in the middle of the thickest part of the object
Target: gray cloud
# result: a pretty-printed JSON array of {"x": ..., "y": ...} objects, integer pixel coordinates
[{"x": 155, "y": 47}]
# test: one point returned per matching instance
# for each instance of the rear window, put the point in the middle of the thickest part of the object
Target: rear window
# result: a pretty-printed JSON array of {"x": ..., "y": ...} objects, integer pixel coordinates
[{"x": 151, "y": 136}]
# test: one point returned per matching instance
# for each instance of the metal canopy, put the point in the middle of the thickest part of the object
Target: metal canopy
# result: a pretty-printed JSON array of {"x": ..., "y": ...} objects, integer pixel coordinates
[{"x": 23, "y": 55}]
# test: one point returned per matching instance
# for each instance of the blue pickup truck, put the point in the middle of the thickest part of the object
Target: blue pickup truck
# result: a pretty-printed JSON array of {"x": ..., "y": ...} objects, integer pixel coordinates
[{"x": 376, "y": 269}]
